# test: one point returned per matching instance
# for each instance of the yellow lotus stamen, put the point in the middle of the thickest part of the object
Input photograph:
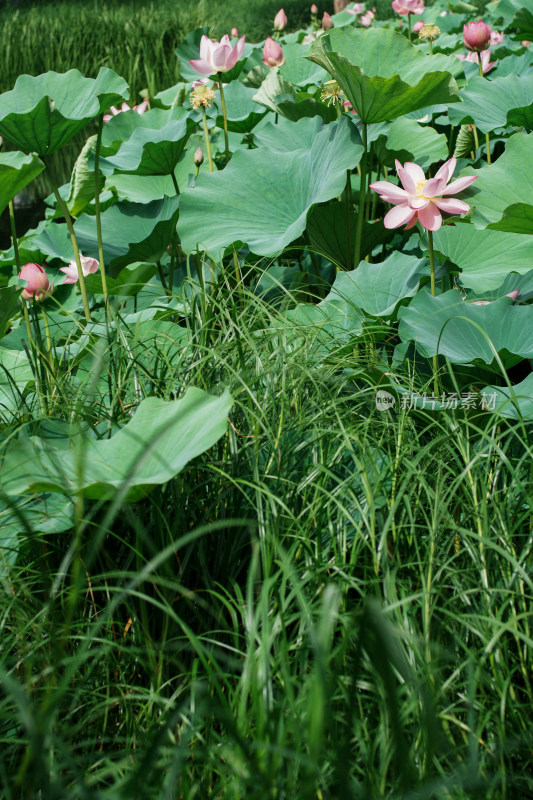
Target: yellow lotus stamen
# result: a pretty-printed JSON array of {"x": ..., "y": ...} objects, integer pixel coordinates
[
  {"x": 331, "y": 93},
  {"x": 420, "y": 188},
  {"x": 429, "y": 31},
  {"x": 201, "y": 96}
]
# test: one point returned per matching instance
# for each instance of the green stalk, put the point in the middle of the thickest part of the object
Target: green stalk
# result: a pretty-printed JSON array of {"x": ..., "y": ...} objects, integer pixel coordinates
[
  {"x": 74, "y": 241},
  {"x": 487, "y": 137},
  {"x": 433, "y": 294},
  {"x": 175, "y": 182},
  {"x": 409, "y": 25},
  {"x": 97, "y": 213},
  {"x": 430, "y": 47},
  {"x": 207, "y": 142},
  {"x": 226, "y": 140},
  {"x": 348, "y": 204},
  {"x": 14, "y": 234},
  {"x": 362, "y": 192}
]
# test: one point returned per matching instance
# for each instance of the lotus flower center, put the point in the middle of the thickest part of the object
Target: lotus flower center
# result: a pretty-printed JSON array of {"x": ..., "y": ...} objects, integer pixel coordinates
[{"x": 420, "y": 188}]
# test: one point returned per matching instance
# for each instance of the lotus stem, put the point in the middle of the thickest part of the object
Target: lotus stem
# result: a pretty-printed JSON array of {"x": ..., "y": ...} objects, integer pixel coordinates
[
  {"x": 361, "y": 206},
  {"x": 68, "y": 219},
  {"x": 430, "y": 47},
  {"x": 238, "y": 277},
  {"x": 97, "y": 212},
  {"x": 409, "y": 26},
  {"x": 207, "y": 142},
  {"x": 433, "y": 294},
  {"x": 14, "y": 234},
  {"x": 348, "y": 202},
  {"x": 226, "y": 139},
  {"x": 476, "y": 140},
  {"x": 487, "y": 137}
]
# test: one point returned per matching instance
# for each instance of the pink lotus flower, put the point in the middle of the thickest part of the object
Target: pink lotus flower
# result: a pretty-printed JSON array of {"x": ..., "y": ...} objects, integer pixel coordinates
[
  {"x": 234, "y": 32},
  {"x": 418, "y": 26},
  {"x": 486, "y": 64},
  {"x": 140, "y": 109},
  {"x": 357, "y": 8},
  {"x": 280, "y": 20},
  {"x": 348, "y": 106},
  {"x": 366, "y": 20},
  {"x": 525, "y": 43},
  {"x": 513, "y": 295},
  {"x": 404, "y": 7},
  {"x": 88, "y": 266},
  {"x": 273, "y": 54},
  {"x": 217, "y": 56},
  {"x": 38, "y": 286},
  {"x": 420, "y": 199},
  {"x": 327, "y": 22},
  {"x": 314, "y": 9},
  {"x": 476, "y": 36},
  {"x": 496, "y": 37}
]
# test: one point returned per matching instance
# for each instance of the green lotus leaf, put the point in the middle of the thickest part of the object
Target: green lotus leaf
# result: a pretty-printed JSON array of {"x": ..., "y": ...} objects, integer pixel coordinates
[
  {"x": 297, "y": 68},
  {"x": 16, "y": 171},
  {"x": 262, "y": 197},
  {"x": 515, "y": 402},
  {"x": 9, "y": 305},
  {"x": 140, "y": 188},
  {"x": 382, "y": 75},
  {"x": 496, "y": 103},
  {"x": 151, "y": 449},
  {"x": 331, "y": 232},
  {"x": 130, "y": 232},
  {"x": 15, "y": 375},
  {"x": 131, "y": 280},
  {"x": 505, "y": 183},
  {"x": 280, "y": 96},
  {"x": 48, "y": 241},
  {"x": 484, "y": 257},
  {"x": 516, "y": 65},
  {"x": 523, "y": 24},
  {"x": 407, "y": 140},
  {"x": 378, "y": 288},
  {"x": 243, "y": 113},
  {"x": 41, "y": 114},
  {"x": 82, "y": 181},
  {"x": 464, "y": 332}
]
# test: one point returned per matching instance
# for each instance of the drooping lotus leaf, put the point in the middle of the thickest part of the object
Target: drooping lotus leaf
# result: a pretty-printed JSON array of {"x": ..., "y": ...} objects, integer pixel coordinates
[
  {"x": 383, "y": 75},
  {"x": 280, "y": 96},
  {"x": 378, "y": 288},
  {"x": 516, "y": 403},
  {"x": 130, "y": 232},
  {"x": 464, "y": 332},
  {"x": 9, "y": 305},
  {"x": 41, "y": 114},
  {"x": 407, "y": 140},
  {"x": 130, "y": 281},
  {"x": 152, "y": 150},
  {"x": 485, "y": 257},
  {"x": 16, "y": 171},
  {"x": 503, "y": 184},
  {"x": 15, "y": 375},
  {"x": 298, "y": 70},
  {"x": 151, "y": 449},
  {"x": 331, "y": 231},
  {"x": 496, "y": 103},
  {"x": 243, "y": 113},
  {"x": 262, "y": 197},
  {"x": 522, "y": 24},
  {"x": 82, "y": 182}
]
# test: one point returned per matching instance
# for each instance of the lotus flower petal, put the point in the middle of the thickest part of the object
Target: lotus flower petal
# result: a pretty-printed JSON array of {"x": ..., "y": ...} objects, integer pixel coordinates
[
  {"x": 398, "y": 215},
  {"x": 430, "y": 217}
]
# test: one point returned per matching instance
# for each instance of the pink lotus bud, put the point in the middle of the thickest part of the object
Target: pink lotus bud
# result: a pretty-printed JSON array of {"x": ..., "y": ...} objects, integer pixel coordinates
[
  {"x": 199, "y": 157},
  {"x": 514, "y": 294},
  {"x": 525, "y": 43},
  {"x": 280, "y": 20},
  {"x": 38, "y": 285},
  {"x": 327, "y": 22},
  {"x": 418, "y": 26},
  {"x": 272, "y": 54},
  {"x": 476, "y": 36},
  {"x": 235, "y": 32},
  {"x": 314, "y": 9}
]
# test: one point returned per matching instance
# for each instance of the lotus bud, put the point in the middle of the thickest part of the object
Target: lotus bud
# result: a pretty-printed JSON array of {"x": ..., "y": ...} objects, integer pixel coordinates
[
  {"x": 199, "y": 157},
  {"x": 38, "y": 286},
  {"x": 235, "y": 32},
  {"x": 272, "y": 54},
  {"x": 514, "y": 294},
  {"x": 525, "y": 43},
  {"x": 280, "y": 20},
  {"x": 418, "y": 26},
  {"x": 327, "y": 22},
  {"x": 314, "y": 9},
  {"x": 476, "y": 36}
]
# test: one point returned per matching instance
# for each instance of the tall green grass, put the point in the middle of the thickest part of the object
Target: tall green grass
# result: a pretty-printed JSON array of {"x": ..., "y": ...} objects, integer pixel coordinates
[{"x": 332, "y": 602}]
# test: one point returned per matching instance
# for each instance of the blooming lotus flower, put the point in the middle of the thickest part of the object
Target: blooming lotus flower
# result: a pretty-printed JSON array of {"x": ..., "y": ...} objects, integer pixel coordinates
[
  {"x": 513, "y": 295},
  {"x": 418, "y": 26},
  {"x": 88, "y": 266},
  {"x": 280, "y": 20},
  {"x": 357, "y": 8},
  {"x": 273, "y": 54},
  {"x": 421, "y": 199},
  {"x": 38, "y": 286},
  {"x": 217, "y": 56},
  {"x": 496, "y": 37},
  {"x": 486, "y": 64},
  {"x": 366, "y": 20},
  {"x": 476, "y": 36},
  {"x": 327, "y": 22},
  {"x": 140, "y": 109},
  {"x": 404, "y": 7}
]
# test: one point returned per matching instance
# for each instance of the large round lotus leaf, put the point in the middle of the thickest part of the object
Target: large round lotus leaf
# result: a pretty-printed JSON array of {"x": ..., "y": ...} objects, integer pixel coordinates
[
  {"x": 41, "y": 114},
  {"x": 287, "y": 136},
  {"x": 130, "y": 232},
  {"x": 485, "y": 257},
  {"x": 464, "y": 332},
  {"x": 378, "y": 288},
  {"x": 406, "y": 140},
  {"x": 243, "y": 113},
  {"x": 298, "y": 70},
  {"x": 496, "y": 103},
  {"x": 151, "y": 449},
  {"x": 262, "y": 197},
  {"x": 48, "y": 241},
  {"x": 382, "y": 75},
  {"x": 122, "y": 126},
  {"x": 16, "y": 171},
  {"x": 516, "y": 65},
  {"x": 505, "y": 183}
]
